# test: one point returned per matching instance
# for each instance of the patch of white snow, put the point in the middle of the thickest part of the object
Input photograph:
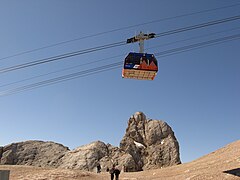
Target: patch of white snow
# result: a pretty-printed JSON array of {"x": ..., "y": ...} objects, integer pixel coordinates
[
  {"x": 162, "y": 141},
  {"x": 138, "y": 144}
]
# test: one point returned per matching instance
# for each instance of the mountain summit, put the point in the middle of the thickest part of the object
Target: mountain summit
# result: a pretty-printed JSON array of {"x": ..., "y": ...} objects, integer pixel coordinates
[{"x": 151, "y": 143}]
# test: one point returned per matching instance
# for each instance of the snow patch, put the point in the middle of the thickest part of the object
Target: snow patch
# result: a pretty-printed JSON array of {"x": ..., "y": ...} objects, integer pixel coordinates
[
  {"x": 138, "y": 144},
  {"x": 162, "y": 141}
]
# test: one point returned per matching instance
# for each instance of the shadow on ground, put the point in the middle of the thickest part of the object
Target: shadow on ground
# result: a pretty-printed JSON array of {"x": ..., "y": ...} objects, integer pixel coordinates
[{"x": 235, "y": 172}]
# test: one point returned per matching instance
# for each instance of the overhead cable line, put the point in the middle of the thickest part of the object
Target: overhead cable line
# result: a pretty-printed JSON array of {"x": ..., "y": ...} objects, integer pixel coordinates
[
  {"x": 198, "y": 26},
  {"x": 120, "y": 55},
  {"x": 119, "y": 29},
  {"x": 60, "y": 57},
  {"x": 114, "y": 66},
  {"x": 60, "y": 70},
  {"x": 63, "y": 78},
  {"x": 197, "y": 45},
  {"x": 192, "y": 38},
  {"x": 80, "y": 52}
]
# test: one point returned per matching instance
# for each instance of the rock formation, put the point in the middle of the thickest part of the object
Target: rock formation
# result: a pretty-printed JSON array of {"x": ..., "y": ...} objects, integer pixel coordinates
[
  {"x": 151, "y": 143},
  {"x": 88, "y": 156},
  {"x": 85, "y": 157},
  {"x": 218, "y": 165},
  {"x": 35, "y": 153},
  {"x": 147, "y": 144}
]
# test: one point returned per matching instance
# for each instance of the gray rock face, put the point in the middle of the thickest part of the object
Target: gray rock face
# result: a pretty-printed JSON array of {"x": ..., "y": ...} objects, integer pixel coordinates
[
  {"x": 88, "y": 156},
  {"x": 151, "y": 143},
  {"x": 36, "y": 153},
  {"x": 85, "y": 157}
]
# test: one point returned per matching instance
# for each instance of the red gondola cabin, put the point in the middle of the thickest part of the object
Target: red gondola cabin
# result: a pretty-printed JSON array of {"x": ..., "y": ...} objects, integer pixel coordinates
[{"x": 140, "y": 66}]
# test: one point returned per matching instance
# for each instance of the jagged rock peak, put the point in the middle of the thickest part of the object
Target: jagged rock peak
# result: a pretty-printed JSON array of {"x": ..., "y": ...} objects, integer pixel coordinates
[
  {"x": 139, "y": 116},
  {"x": 151, "y": 143}
]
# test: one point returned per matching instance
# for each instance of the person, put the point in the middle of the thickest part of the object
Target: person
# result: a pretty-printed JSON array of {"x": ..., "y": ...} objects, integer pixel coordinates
[
  {"x": 116, "y": 172},
  {"x": 111, "y": 171},
  {"x": 98, "y": 168}
]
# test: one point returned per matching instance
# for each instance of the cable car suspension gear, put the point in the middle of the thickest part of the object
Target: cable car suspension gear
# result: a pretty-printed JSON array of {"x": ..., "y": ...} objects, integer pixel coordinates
[{"x": 140, "y": 65}]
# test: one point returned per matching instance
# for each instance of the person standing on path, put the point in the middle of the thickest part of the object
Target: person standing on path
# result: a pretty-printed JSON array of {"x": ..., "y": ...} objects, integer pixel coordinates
[
  {"x": 116, "y": 172},
  {"x": 111, "y": 171},
  {"x": 98, "y": 168}
]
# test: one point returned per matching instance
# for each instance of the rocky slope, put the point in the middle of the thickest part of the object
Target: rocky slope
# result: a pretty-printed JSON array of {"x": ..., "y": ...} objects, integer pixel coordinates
[
  {"x": 221, "y": 164},
  {"x": 35, "y": 153},
  {"x": 147, "y": 144}
]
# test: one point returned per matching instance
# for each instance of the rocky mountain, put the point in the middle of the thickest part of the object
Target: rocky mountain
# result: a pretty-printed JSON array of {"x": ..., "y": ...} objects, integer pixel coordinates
[
  {"x": 220, "y": 164},
  {"x": 34, "y": 153},
  {"x": 151, "y": 143},
  {"x": 147, "y": 144}
]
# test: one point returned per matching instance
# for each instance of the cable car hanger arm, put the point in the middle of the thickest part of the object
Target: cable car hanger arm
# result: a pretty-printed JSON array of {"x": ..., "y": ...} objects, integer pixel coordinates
[{"x": 140, "y": 37}]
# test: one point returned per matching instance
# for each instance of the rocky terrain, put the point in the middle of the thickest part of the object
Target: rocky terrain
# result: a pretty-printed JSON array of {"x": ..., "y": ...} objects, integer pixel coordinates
[
  {"x": 219, "y": 165},
  {"x": 35, "y": 153},
  {"x": 147, "y": 144}
]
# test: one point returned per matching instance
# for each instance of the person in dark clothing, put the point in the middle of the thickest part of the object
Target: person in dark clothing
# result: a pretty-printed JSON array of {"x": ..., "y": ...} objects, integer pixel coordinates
[
  {"x": 116, "y": 172},
  {"x": 98, "y": 168},
  {"x": 111, "y": 171}
]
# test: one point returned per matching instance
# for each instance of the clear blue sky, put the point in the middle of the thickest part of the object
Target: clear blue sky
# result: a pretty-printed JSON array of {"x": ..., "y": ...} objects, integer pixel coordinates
[{"x": 196, "y": 92}]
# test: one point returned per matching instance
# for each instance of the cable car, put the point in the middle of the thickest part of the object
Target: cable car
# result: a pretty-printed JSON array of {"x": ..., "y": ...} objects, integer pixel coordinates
[{"x": 140, "y": 65}]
